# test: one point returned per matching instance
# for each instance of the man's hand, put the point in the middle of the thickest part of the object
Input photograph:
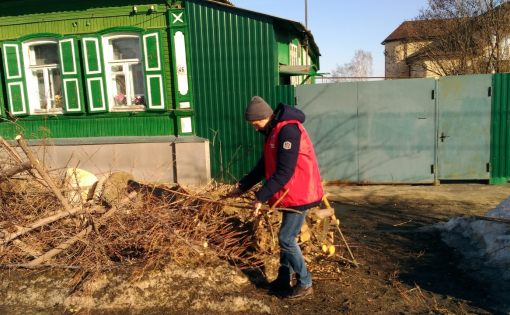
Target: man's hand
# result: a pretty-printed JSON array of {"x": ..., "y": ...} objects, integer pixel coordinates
[
  {"x": 256, "y": 207},
  {"x": 234, "y": 193}
]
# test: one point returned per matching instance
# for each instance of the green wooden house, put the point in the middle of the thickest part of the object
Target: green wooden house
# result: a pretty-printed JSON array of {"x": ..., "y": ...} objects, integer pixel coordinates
[{"x": 153, "y": 87}]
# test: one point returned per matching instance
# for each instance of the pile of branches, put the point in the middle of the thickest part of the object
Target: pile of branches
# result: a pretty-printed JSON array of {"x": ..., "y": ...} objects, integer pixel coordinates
[
  {"x": 140, "y": 224},
  {"x": 121, "y": 222}
]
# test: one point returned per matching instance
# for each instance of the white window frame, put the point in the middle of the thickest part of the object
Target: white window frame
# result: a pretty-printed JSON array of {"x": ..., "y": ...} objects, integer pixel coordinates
[
  {"x": 293, "y": 55},
  {"x": 125, "y": 63},
  {"x": 505, "y": 48},
  {"x": 31, "y": 82},
  {"x": 294, "y": 60}
]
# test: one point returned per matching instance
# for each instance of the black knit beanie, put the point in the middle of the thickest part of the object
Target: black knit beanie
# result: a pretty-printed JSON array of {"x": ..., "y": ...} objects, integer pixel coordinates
[{"x": 257, "y": 109}]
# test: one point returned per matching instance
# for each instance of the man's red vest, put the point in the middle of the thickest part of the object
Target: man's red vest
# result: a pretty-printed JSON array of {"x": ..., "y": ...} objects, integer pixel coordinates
[{"x": 305, "y": 184}]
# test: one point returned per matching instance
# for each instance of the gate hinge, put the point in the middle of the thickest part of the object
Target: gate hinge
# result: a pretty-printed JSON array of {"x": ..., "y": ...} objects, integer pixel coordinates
[
  {"x": 488, "y": 167},
  {"x": 489, "y": 91},
  {"x": 433, "y": 94},
  {"x": 431, "y": 168}
]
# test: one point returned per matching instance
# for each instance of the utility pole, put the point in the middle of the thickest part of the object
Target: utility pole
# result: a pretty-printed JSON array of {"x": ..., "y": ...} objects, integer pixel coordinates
[
  {"x": 306, "y": 34},
  {"x": 306, "y": 14}
]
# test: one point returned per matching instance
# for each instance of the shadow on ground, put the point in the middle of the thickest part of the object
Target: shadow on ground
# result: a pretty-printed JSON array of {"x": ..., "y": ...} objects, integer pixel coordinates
[{"x": 412, "y": 252}]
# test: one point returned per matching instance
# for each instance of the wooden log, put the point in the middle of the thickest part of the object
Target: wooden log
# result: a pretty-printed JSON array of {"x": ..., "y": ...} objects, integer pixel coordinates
[
  {"x": 15, "y": 170},
  {"x": 40, "y": 169},
  {"x": 65, "y": 245}
]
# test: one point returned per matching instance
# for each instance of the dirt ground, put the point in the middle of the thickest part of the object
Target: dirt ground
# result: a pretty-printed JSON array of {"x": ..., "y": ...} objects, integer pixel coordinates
[{"x": 405, "y": 269}]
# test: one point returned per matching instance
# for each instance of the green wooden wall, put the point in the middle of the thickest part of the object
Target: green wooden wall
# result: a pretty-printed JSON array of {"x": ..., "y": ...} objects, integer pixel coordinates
[{"x": 101, "y": 125}]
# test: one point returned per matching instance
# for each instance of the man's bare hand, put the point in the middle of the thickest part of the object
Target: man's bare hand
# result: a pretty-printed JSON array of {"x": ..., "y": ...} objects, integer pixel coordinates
[{"x": 234, "y": 193}]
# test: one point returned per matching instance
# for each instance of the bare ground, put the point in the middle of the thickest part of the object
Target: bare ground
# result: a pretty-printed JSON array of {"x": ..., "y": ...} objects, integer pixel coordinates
[{"x": 404, "y": 269}]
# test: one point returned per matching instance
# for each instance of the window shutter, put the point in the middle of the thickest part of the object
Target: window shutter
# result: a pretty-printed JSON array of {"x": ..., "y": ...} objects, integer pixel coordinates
[
  {"x": 94, "y": 74},
  {"x": 153, "y": 69},
  {"x": 71, "y": 76},
  {"x": 2, "y": 105},
  {"x": 15, "y": 78}
]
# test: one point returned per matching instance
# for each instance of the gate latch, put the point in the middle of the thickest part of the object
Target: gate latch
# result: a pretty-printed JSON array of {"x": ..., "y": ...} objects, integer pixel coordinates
[{"x": 443, "y": 136}]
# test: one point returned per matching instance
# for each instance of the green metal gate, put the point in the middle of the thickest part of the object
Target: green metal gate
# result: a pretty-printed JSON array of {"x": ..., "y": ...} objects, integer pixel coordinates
[
  {"x": 372, "y": 131},
  {"x": 396, "y": 131},
  {"x": 464, "y": 104},
  {"x": 332, "y": 123},
  {"x": 409, "y": 131}
]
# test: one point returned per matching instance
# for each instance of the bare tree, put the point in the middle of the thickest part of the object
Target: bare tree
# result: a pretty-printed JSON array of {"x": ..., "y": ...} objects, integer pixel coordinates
[
  {"x": 359, "y": 68},
  {"x": 472, "y": 37}
]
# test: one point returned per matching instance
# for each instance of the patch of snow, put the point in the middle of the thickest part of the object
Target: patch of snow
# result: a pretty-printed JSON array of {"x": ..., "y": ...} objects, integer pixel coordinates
[{"x": 485, "y": 249}]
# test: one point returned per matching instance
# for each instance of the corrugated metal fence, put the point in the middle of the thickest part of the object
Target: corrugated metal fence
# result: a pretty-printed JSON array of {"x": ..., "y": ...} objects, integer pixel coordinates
[
  {"x": 500, "y": 129},
  {"x": 233, "y": 57},
  {"x": 410, "y": 131}
]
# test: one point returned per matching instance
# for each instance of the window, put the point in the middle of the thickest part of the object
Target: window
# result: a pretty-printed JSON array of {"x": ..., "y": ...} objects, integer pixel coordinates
[
  {"x": 124, "y": 74},
  {"x": 121, "y": 71},
  {"x": 43, "y": 76},
  {"x": 295, "y": 60}
]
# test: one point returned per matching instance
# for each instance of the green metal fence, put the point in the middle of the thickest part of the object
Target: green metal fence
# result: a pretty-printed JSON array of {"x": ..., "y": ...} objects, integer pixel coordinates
[
  {"x": 500, "y": 129},
  {"x": 411, "y": 131},
  {"x": 233, "y": 57}
]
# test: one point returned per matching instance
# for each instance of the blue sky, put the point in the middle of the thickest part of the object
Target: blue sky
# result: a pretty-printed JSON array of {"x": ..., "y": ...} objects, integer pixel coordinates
[{"x": 340, "y": 27}]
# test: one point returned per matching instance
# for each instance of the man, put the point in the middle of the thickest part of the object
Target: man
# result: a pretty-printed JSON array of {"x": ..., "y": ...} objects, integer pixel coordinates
[{"x": 291, "y": 174}]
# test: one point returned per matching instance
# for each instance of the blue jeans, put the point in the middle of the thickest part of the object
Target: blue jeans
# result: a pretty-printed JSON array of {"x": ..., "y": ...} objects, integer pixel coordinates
[{"x": 291, "y": 257}]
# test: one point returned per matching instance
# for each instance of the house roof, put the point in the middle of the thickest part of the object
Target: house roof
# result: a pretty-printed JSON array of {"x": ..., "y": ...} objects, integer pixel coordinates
[
  {"x": 222, "y": 1},
  {"x": 418, "y": 29}
]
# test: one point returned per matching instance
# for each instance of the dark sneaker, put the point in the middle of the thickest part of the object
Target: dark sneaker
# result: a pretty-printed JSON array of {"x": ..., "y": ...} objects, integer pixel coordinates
[{"x": 299, "y": 292}]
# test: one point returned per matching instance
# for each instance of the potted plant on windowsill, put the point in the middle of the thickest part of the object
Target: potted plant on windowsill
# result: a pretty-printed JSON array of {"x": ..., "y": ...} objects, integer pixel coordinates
[{"x": 120, "y": 99}]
